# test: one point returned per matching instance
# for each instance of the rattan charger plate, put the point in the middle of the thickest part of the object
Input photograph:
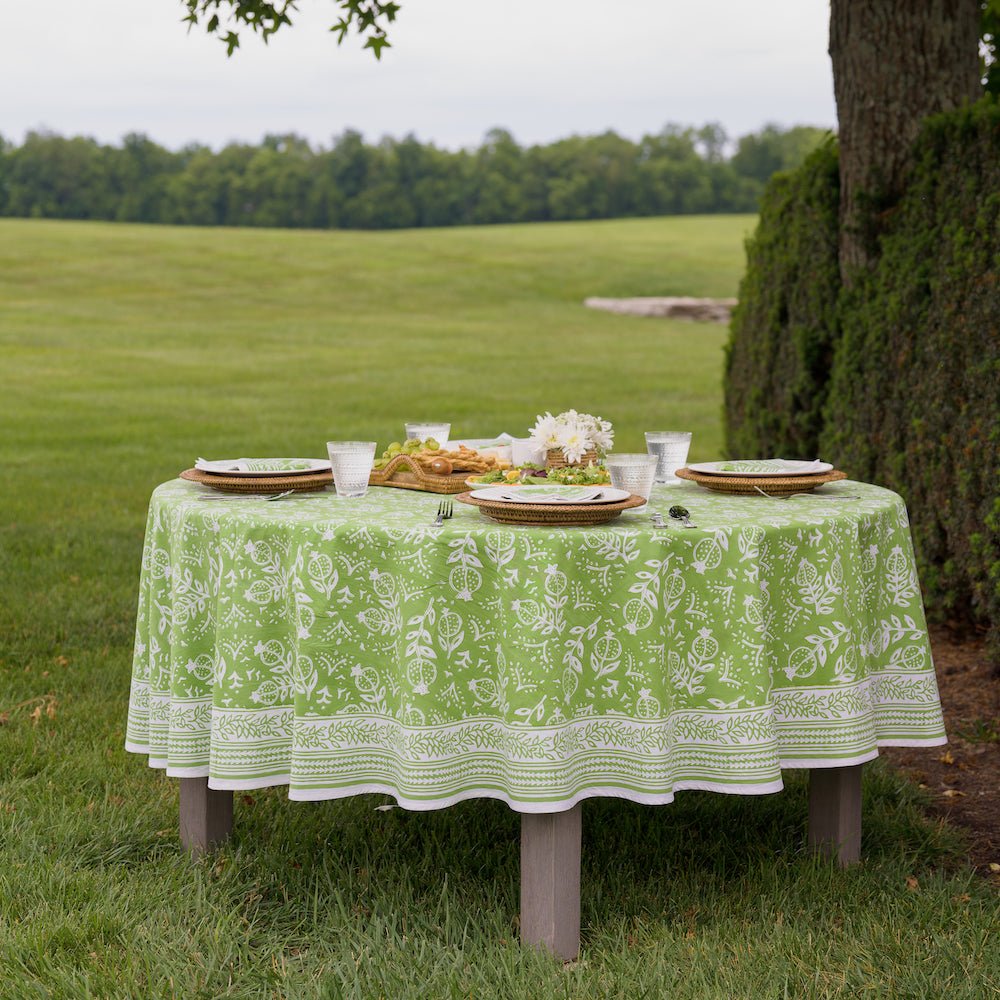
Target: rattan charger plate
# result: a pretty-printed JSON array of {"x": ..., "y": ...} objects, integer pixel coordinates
[
  {"x": 778, "y": 486},
  {"x": 563, "y": 515},
  {"x": 260, "y": 484}
]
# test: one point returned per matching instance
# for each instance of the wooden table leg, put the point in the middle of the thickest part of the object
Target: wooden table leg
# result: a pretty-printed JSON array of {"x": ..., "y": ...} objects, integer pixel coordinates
[
  {"x": 835, "y": 812},
  {"x": 550, "y": 881},
  {"x": 206, "y": 815}
]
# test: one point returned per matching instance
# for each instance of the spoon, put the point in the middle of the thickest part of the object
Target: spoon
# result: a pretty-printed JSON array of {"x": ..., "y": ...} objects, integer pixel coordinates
[{"x": 679, "y": 513}]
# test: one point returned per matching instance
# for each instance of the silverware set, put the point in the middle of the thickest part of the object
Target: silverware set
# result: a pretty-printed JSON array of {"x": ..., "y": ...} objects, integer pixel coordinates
[
  {"x": 446, "y": 509},
  {"x": 677, "y": 513}
]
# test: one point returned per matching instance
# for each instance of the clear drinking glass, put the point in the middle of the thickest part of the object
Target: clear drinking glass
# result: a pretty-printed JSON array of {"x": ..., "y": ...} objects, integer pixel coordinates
[
  {"x": 352, "y": 463},
  {"x": 671, "y": 451},
  {"x": 423, "y": 431},
  {"x": 632, "y": 472}
]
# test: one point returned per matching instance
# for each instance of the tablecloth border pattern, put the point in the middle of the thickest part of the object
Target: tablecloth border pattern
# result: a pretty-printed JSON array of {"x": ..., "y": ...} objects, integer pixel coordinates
[{"x": 645, "y": 761}]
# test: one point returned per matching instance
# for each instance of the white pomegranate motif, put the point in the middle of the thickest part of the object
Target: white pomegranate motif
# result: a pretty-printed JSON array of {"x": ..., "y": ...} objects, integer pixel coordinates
[
  {"x": 266, "y": 694},
  {"x": 320, "y": 567},
  {"x": 802, "y": 663},
  {"x": 753, "y": 610},
  {"x": 412, "y": 716},
  {"x": 484, "y": 690},
  {"x": 366, "y": 679},
  {"x": 465, "y": 581},
  {"x": 385, "y": 586},
  {"x": 868, "y": 559},
  {"x": 449, "y": 626},
  {"x": 555, "y": 581},
  {"x": 527, "y": 611},
  {"x": 705, "y": 646},
  {"x": 200, "y": 667},
  {"x": 637, "y": 615},
  {"x": 707, "y": 555},
  {"x": 421, "y": 674},
  {"x": 304, "y": 676},
  {"x": 570, "y": 682},
  {"x": 271, "y": 653},
  {"x": 646, "y": 706}
]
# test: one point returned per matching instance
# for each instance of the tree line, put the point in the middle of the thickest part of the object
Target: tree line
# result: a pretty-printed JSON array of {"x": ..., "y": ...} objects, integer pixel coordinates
[{"x": 285, "y": 181}]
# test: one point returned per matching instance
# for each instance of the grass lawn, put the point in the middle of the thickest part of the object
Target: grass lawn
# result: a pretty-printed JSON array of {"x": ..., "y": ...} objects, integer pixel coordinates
[{"x": 127, "y": 351}]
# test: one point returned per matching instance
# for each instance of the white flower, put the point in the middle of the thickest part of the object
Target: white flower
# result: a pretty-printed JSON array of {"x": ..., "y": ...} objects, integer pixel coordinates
[
  {"x": 573, "y": 442},
  {"x": 573, "y": 433},
  {"x": 545, "y": 433},
  {"x": 603, "y": 436}
]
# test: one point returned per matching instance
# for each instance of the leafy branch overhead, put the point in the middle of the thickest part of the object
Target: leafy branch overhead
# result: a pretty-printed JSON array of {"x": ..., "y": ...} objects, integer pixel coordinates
[{"x": 225, "y": 19}]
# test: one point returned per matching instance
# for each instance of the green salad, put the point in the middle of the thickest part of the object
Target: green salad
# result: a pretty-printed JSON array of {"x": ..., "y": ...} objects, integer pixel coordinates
[
  {"x": 590, "y": 475},
  {"x": 587, "y": 475}
]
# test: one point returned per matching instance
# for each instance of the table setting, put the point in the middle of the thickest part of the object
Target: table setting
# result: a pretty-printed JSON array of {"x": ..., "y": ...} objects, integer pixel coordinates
[{"x": 539, "y": 620}]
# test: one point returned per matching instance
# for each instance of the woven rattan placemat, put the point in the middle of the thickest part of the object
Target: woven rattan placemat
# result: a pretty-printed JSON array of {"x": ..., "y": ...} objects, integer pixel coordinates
[
  {"x": 780, "y": 486},
  {"x": 260, "y": 484},
  {"x": 563, "y": 515}
]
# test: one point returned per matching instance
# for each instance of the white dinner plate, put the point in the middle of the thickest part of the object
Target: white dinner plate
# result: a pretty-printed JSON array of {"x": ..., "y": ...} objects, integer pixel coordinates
[
  {"x": 761, "y": 467},
  {"x": 264, "y": 466},
  {"x": 552, "y": 494}
]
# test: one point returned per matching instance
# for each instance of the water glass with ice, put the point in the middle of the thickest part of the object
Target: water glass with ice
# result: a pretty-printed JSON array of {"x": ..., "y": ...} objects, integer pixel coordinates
[
  {"x": 351, "y": 462},
  {"x": 671, "y": 451},
  {"x": 632, "y": 472}
]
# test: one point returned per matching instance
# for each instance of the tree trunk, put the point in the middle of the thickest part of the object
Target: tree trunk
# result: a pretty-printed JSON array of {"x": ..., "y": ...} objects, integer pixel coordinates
[{"x": 894, "y": 63}]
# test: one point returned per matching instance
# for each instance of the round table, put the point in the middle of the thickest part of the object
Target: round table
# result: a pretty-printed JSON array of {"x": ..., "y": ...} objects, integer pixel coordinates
[{"x": 347, "y": 646}]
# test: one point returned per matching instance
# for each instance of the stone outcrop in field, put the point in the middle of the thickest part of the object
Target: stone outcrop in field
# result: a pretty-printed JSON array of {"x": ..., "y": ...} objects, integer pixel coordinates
[{"x": 705, "y": 310}]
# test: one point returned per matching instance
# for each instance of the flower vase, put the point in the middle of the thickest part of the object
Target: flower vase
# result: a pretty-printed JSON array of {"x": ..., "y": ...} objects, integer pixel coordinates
[{"x": 555, "y": 459}]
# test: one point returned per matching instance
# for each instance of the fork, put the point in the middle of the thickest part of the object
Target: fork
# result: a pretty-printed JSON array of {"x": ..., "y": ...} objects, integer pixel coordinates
[
  {"x": 446, "y": 509},
  {"x": 821, "y": 496},
  {"x": 250, "y": 496}
]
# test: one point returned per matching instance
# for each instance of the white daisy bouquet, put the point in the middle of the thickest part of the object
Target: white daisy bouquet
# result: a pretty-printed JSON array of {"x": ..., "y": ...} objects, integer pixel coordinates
[{"x": 572, "y": 433}]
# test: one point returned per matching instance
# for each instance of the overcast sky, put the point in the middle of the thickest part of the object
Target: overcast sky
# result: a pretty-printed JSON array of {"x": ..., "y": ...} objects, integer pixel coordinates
[{"x": 542, "y": 68}]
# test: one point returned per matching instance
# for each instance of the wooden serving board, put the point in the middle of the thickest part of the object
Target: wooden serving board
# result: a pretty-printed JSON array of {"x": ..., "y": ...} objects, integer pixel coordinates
[{"x": 405, "y": 472}]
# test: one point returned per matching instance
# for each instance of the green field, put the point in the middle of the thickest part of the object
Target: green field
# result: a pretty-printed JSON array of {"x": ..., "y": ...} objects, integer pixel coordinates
[{"x": 127, "y": 351}]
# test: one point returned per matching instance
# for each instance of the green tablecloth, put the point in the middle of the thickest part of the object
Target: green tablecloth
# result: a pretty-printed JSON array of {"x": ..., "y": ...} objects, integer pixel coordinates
[{"x": 345, "y": 646}]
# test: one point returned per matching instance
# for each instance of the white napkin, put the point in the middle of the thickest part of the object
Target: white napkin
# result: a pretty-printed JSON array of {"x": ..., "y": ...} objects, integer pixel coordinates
[
  {"x": 255, "y": 465},
  {"x": 773, "y": 465}
]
